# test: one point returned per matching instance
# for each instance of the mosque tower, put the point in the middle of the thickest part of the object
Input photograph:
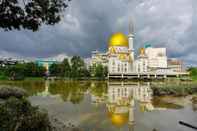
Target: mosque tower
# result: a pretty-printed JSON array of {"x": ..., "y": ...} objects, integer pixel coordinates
[{"x": 130, "y": 38}]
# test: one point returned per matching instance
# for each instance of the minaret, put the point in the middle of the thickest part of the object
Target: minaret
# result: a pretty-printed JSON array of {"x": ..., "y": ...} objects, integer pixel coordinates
[
  {"x": 131, "y": 115},
  {"x": 131, "y": 37}
]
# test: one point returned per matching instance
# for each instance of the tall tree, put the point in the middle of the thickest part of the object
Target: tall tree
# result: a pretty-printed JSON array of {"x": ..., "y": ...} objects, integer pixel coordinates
[
  {"x": 78, "y": 67},
  {"x": 55, "y": 70},
  {"x": 101, "y": 71},
  {"x": 66, "y": 67},
  {"x": 30, "y": 14},
  {"x": 30, "y": 69}
]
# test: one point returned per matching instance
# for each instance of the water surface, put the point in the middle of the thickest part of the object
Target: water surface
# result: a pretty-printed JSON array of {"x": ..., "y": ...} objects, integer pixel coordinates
[{"x": 110, "y": 106}]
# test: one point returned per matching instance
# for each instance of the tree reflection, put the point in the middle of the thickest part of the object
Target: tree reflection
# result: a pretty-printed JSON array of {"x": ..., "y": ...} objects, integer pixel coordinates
[
  {"x": 32, "y": 87},
  {"x": 194, "y": 103},
  {"x": 69, "y": 90}
]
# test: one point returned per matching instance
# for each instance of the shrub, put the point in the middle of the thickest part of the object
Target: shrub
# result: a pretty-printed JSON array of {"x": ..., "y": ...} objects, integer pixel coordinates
[{"x": 19, "y": 115}]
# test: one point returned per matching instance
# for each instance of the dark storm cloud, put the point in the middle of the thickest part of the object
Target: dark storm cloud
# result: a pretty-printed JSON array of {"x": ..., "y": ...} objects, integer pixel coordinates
[{"x": 88, "y": 24}]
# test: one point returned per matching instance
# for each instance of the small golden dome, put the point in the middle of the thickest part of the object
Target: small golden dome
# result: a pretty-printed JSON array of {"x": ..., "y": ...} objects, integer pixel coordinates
[
  {"x": 118, "y": 39},
  {"x": 142, "y": 51}
]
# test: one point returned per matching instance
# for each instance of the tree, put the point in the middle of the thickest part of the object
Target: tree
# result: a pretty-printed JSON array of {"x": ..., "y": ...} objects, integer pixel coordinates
[
  {"x": 100, "y": 71},
  {"x": 55, "y": 69},
  {"x": 40, "y": 71},
  {"x": 66, "y": 67},
  {"x": 15, "y": 72},
  {"x": 105, "y": 71},
  {"x": 78, "y": 67},
  {"x": 30, "y": 14},
  {"x": 193, "y": 71},
  {"x": 33, "y": 70},
  {"x": 30, "y": 69}
]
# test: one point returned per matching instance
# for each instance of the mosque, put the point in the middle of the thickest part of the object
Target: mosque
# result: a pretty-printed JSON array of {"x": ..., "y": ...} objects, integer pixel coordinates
[{"x": 123, "y": 63}]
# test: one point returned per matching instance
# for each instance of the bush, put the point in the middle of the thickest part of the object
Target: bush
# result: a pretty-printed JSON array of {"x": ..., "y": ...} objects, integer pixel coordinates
[
  {"x": 6, "y": 92},
  {"x": 19, "y": 115},
  {"x": 181, "y": 90}
]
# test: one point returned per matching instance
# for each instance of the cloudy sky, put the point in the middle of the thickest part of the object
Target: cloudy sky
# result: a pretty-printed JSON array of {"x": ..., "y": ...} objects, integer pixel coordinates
[{"x": 87, "y": 24}]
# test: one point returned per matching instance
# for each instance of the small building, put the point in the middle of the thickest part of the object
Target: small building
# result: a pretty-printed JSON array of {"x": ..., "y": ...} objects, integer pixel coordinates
[
  {"x": 157, "y": 57},
  {"x": 46, "y": 64},
  {"x": 175, "y": 65},
  {"x": 99, "y": 58}
]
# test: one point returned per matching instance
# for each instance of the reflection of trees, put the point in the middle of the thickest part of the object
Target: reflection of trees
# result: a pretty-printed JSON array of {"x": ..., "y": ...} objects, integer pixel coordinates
[
  {"x": 194, "y": 103},
  {"x": 32, "y": 87},
  {"x": 159, "y": 103},
  {"x": 98, "y": 88},
  {"x": 69, "y": 91}
]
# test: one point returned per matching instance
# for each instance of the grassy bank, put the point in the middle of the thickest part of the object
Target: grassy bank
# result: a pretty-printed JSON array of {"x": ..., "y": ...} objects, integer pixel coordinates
[
  {"x": 34, "y": 78},
  {"x": 194, "y": 78},
  {"x": 175, "y": 89}
]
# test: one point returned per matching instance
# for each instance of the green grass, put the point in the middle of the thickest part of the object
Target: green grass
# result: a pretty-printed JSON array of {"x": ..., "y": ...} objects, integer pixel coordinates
[
  {"x": 194, "y": 78},
  {"x": 3, "y": 77},
  {"x": 35, "y": 78},
  {"x": 174, "y": 89}
]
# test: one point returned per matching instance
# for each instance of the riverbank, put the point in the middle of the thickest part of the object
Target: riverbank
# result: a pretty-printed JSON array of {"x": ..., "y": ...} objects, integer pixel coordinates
[
  {"x": 17, "y": 113},
  {"x": 174, "y": 89}
]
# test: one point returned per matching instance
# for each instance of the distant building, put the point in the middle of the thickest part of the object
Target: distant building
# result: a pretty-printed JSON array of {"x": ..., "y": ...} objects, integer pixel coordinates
[
  {"x": 175, "y": 65},
  {"x": 46, "y": 64},
  {"x": 99, "y": 58},
  {"x": 9, "y": 61},
  {"x": 157, "y": 57}
]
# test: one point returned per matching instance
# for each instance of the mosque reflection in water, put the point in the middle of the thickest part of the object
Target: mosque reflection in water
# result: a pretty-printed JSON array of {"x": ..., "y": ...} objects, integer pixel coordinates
[
  {"x": 118, "y": 104},
  {"x": 120, "y": 101}
]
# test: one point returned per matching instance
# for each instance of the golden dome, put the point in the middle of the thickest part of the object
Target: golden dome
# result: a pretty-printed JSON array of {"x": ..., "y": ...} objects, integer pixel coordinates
[
  {"x": 142, "y": 51},
  {"x": 119, "y": 119},
  {"x": 118, "y": 39}
]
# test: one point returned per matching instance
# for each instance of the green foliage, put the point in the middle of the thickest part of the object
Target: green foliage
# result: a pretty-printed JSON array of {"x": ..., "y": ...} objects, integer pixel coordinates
[
  {"x": 173, "y": 89},
  {"x": 99, "y": 71},
  {"x": 78, "y": 68},
  {"x": 20, "y": 71},
  {"x": 33, "y": 70},
  {"x": 75, "y": 69},
  {"x": 15, "y": 72},
  {"x": 70, "y": 90},
  {"x": 66, "y": 67},
  {"x": 55, "y": 70},
  {"x": 193, "y": 72},
  {"x": 61, "y": 69},
  {"x": 30, "y": 14},
  {"x": 20, "y": 115}
]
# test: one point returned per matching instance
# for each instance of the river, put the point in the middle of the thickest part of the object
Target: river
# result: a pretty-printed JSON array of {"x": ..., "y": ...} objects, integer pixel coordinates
[{"x": 110, "y": 106}]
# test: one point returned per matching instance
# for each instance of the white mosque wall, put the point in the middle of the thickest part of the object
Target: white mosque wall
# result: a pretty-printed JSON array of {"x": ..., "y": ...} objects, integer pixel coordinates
[
  {"x": 157, "y": 57},
  {"x": 115, "y": 65}
]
